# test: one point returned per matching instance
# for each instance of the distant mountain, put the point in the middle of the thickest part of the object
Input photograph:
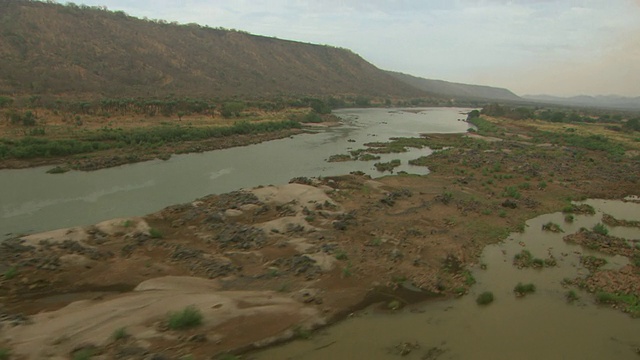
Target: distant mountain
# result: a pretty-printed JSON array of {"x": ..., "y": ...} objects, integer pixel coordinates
[
  {"x": 601, "y": 101},
  {"x": 48, "y": 48},
  {"x": 457, "y": 90}
]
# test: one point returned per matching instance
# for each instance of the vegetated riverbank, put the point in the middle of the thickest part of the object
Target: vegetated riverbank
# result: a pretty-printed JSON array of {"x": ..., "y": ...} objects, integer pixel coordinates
[
  {"x": 96, "y": 142},
  {"x": 305, "y": 254}
]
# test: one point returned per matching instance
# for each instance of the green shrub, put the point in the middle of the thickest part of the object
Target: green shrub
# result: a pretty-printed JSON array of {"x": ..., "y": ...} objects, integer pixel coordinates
[
  {"x": 84, "y": 354},
  {"x": 485, "y": 298},
  {"x": 301, "y": 333},
  {"x": 511, "y": 192},
  {"x": 553, "y": 227},
  {"x": 387, "y": 166},
  {"x": 120, "y": 333},
  {"x": 523, "y": 289},
  {"x": 11, "y": 273},
  {"x": 155, "y": 233},
  {"x": 5, "y": 354},
  {"x": 341, "y": 255},
  {"x": 468, "y": 278},
  {"x": 312, "y": 117},
  {"x": 599, "y": 228},
  {"x": 572, "y": 296},
  {"x": 186, "y": 318}
]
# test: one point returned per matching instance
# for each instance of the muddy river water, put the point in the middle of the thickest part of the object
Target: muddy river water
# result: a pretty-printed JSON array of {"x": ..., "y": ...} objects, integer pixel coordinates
[
  {"x": 33, "y": 201},
  {"x": 542, "y": 325}
]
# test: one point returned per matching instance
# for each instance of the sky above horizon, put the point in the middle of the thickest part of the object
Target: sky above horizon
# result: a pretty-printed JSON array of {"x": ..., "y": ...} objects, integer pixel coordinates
[{"x": 557, "y": 47}]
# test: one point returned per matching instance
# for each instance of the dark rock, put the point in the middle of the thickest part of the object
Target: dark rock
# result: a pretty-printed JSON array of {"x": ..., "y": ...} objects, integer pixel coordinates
[
  {"x": 241, "y": 237},
  {"x": 130, "y": 351},
  {"x": 198, "y": 338},
  {"x": 299, "y": 264}
]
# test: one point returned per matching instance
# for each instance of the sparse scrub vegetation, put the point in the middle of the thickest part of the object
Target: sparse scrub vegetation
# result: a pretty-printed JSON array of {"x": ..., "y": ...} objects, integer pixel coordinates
[
  {"x": 571, "y": 296},
  {"x": 188, "y": 317},
  {"x": 120, "y": 333},
  {"x": 11, "y": 273},
  {"x": 485, "y": 298},
  {"x": 84, "y": 354},
  {"x": 523, "y": 289},
  {"x": 511, "y": 192},
  {"x": 601, "y": 229},
  {"x": 155, "y": 233},
  {"x": 552, "y": 227},
  {"x": 630, "y": 302},
  {"x": 5, "y": 354},
  {"x": 387, "y": 166}
]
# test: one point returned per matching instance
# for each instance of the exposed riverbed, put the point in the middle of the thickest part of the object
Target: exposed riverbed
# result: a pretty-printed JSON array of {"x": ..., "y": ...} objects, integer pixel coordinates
[
  {"x": 542, "y": 325},
  {"x": 33, "y": 201}
]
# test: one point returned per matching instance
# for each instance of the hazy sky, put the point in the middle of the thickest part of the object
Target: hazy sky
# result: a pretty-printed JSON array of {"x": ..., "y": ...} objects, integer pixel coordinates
[{"x": 562, "y": 47}]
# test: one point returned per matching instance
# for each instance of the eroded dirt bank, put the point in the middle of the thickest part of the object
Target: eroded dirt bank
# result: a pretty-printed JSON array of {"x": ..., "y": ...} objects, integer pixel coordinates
[{"x": 271, "y": 263}]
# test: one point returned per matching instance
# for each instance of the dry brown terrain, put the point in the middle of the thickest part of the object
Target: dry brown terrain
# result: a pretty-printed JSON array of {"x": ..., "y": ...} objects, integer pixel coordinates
[{"x": 271, "y": 263}]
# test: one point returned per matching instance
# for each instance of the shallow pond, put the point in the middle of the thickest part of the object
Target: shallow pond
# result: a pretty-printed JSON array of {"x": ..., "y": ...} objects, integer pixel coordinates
[
  {"x": 542, "y": 325},
  {"x": 33, "y": 201}
]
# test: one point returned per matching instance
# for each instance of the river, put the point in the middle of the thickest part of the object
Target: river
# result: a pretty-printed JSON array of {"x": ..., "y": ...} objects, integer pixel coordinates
[{"x": 33, "y": 201}]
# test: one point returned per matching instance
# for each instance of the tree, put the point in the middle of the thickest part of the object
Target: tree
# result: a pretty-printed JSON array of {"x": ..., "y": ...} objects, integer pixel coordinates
[
  {"x": 232, "y": 108},
  {"x": 319, "y": 106},
  {"x": 633, "y": 124},
  {"x": 557, "y": 117},
  {"x": 473, "y": 114},
  {"x": 28, "y": 119},
  {"x": 5, "y": 101}
]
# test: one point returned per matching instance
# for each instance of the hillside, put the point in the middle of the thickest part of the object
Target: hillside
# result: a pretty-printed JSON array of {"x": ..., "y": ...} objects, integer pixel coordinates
[
  {"x": 456, "y": 90},
  {"x": 48, "y": 48},
  {"x": 601, "y": 101}
]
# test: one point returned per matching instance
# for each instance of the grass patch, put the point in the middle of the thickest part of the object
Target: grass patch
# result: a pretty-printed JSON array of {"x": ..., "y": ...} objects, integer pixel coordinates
[
  {"x": 300, "y": 332},
  {"x": 11, "y": 273},
  {"x": 188, "y": 317},
  {"x": 346, "y": 271},
  {"x": 368, "y": 157},
  {"x": 468, "y": 278},
  {"x": 552, "y": 227},
  {"x": 155, "y": 233},
  {"x": 341, "y": 255},
  {"x": 571, "y": 296},
  {"x": 512, "y": 192},
  {"x": 630, "y": 302},
  {"x": 105, "y": 139},
  {"x": 83, "y": 354},
  {"x": 569, "y": 218},
  {"x": 120, "y": 333},
  {"x": 387, "y": 166},
  {"x": 5, "y": 354},
  {"x": 485, "y": 298},
  {"x": 523, "y": 289},
  {"x": 421, "y": 161},
  {"x": 339, "y": 158},
  {"x": 601, "y": 229}
]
